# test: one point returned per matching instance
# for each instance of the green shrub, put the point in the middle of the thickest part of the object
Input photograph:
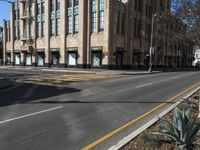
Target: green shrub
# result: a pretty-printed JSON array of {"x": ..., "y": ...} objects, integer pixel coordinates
[{"x": 183, "y": 130}]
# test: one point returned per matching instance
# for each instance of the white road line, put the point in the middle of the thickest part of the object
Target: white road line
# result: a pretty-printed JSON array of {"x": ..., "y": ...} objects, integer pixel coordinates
[
  {"x": 175, "y": 78},
  {"x": 144, "y": 85},
  {"x": 32, "y": 114}
]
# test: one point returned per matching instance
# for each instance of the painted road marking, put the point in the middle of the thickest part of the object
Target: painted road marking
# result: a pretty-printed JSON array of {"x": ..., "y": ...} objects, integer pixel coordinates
[
  {"x": 32, "y": 114},
  {"x": 144, "y": 85},
  {"x": 174, "y": 78},
  {"x": 95, "y": 143}
]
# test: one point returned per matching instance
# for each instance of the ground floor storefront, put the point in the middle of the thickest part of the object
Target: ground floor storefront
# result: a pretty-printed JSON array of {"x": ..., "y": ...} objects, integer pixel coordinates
[{"x": 97, "y": 58}]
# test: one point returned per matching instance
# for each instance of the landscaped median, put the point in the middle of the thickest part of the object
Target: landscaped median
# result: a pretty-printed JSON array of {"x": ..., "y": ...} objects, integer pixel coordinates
[
  {"x": 178, "y": 129},
  {"x": 65, "y": 78}
]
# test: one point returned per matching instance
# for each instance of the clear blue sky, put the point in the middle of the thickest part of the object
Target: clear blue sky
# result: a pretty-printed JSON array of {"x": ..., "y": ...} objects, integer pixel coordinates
[{"x": 4, "y": 11}]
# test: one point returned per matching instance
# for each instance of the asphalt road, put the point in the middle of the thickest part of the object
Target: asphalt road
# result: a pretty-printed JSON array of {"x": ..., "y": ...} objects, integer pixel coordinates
[{"x": 38, "y": 117}]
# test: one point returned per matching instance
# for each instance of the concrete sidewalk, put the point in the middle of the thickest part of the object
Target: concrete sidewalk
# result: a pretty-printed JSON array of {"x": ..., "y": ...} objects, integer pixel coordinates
[{"x": 77, "y": 70}]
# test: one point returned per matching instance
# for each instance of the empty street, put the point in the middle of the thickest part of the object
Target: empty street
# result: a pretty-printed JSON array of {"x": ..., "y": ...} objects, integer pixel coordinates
[{"x": 84, "y": 114}]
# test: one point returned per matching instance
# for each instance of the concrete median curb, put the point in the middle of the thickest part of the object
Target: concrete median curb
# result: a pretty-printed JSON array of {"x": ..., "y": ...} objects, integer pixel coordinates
[
  {"x": 80, "y": 71},
  {"x": 131, "y": 136}
]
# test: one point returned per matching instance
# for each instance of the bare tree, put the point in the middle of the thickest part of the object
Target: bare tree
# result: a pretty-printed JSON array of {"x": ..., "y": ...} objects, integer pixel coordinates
[{"x": 188, "y": 11}]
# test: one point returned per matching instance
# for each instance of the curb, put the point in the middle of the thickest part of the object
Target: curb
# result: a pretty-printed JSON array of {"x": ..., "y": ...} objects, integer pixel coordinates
[
  {"x": 131, "y": 136},
  {"x": 147, "y": 73},
  {"x": 82, "y": 71}
]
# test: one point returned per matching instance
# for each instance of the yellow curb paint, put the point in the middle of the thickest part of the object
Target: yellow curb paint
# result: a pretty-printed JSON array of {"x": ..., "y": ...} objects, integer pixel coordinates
[{"x": 95, "y": 143}]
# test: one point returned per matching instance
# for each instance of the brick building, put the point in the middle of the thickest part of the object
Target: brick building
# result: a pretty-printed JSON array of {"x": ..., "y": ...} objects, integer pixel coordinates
[{"x": 80, "y": 33}]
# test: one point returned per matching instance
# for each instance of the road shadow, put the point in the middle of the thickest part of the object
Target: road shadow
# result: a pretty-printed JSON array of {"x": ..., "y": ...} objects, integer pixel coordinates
[
  {"x": 101, "y": 102},
  {"x": 30, "y": 92}
]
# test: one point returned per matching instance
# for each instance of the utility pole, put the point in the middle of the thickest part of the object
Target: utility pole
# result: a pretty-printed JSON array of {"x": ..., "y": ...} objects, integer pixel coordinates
[{"x": 151, "y": 47}]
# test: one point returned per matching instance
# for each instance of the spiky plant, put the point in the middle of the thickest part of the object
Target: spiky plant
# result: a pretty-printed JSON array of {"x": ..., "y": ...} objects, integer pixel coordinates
[
  {"x": 183, "y": 130},
  {"x": 152, "y": 140}
]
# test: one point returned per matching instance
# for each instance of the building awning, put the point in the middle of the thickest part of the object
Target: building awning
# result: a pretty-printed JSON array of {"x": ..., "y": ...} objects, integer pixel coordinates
[
  {"x": 99, "y": 48},
  {"x": 120, "y": 49},
  {"x": 72, "y": 49},
  {"x": 40, "y": 50},
  {"x": 137, "y": 51},
  {"x": 55, "y": 50}
]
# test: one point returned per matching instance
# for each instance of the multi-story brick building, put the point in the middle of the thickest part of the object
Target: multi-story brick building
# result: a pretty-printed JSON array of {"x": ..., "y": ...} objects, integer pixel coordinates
[{"x": 80, "y": 33}]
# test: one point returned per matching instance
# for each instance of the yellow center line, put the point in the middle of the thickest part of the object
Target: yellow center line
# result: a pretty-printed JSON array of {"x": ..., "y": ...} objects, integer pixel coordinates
[{"x": 136, "y": 119}]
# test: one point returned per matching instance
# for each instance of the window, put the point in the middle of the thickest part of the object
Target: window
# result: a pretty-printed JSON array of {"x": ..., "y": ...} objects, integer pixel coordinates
[
  {"x": 17, "y": 58},
  {"x": 31, "y": 28},
  {"x": 94, "y": 16},
  {"x": 52, "y": 19},
  {"x": 18, "y": 14},
  {"x": 7, "y": 32},
  {"x": 38, "y": 29},
  {"x": 28, "y": 59},
  {"x": 76, "y": 2},
  {"x": 38, "y": 8},
  {"x": 16, "y": 29},
  {"x": 38, "y": 19},
  {"x": 72, "y": 58},
  {"x": 76, "y": 16},
  {"x": 69, "y": 25},
  {"x": 69, "y": 17},
  {"x": 40, "y": 58},
  {"x": 58, "y": 17},
  {"x": 76, "y": 24},
  {"x": 14, "y": 15},
  {"x": 136, "y": 1},
  {"x": 52, "y": 5},
  {"x": 101, "y": 21},
  {"x": 118, "y": 22},
  {"x": 120, "y": 18},
  {"x": 43, "y": 29},
  {"x": 43, "y": 7},
  {"x": 137, "y": 28},
  {"x": 30, "y": 9},
  {"x": 69, "y": 3},
  {"x": 58, "y": 26},
  {"x": 55, "y": 57},
  {"x": 52, "y": 27},
  {"x": 8, "y": 58},
  {"x": 43, "y": 19},
  {"x": 58, "y": 5},
  {"x": 138, "y": 6},
  {"x": 94, "y": 22},
  {"x": 123, "y": 24},
  {"x": 96, "y": 58}
]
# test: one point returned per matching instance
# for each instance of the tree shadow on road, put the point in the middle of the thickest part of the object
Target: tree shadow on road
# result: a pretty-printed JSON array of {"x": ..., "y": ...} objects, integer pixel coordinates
[
  {"x": 30, "y": 92},
  {"x": 102, "y": 102}
]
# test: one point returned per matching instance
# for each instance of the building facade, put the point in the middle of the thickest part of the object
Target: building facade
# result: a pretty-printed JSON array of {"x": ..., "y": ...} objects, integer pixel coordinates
[
  {"x": 196, "y": 62},
  {"x": 81, "y": 33}
]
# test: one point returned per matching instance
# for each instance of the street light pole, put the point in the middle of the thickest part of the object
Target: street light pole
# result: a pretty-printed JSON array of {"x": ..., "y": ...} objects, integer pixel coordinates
[{"x": 151, "y": 47}]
